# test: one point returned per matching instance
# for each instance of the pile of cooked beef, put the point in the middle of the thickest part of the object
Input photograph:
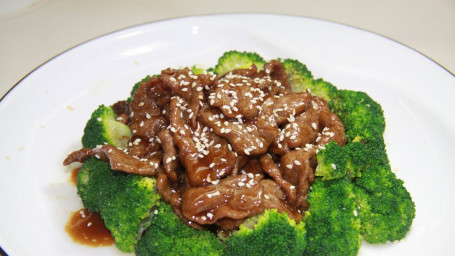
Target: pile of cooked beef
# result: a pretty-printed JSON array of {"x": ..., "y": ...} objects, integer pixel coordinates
[{"x": 224, "y": 148}]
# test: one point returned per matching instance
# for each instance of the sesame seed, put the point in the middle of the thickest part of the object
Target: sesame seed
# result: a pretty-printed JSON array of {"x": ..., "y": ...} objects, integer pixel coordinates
[
  {"x": 210, "y": 215},
  {"x": 99, "y": 119},
  {"x": 289, "y": 166},
  {"x": 333, "y": 166},
  {"x": 212, "y": 165}
]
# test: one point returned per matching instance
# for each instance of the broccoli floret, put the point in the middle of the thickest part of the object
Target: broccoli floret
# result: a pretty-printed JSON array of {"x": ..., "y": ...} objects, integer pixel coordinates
[
  {"x": 91, "y": 184},
  {"x": 335, "y": 161},
  {"x": 168, "y": 235},
  {"x": 362, "y": 117},
  {"x": 385, "y": 207},
  {"x": 270, "y": 233},
  {"x": 123, "y": 200},
  {"x": 301, "y": 79},
  {"x": 197, "y": 70},
  {"x": 331, "y": 222},
  {"x": 332, "y": 162},
  {"x": 102, "y": 127},
  {"x": 237, "y": 60}
]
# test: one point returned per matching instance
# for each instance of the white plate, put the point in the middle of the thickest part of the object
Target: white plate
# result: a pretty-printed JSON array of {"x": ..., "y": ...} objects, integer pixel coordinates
[{"x": 42, "y": 118}]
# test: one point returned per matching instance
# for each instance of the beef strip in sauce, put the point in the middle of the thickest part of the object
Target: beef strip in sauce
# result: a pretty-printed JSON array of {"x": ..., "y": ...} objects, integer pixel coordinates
[{"x": 224, "y": 148}]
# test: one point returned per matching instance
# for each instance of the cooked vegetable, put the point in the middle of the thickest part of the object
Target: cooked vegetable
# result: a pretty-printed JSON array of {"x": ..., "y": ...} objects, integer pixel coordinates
[
  {"x": 124, "y": 201},
  {"x": 103, "y": 128},
  {"x": 237, "y": 60},
  {"x": 301, "y": 79},
  {"x": 385, "y": 207},
  {"x": 332, "y": 224},
  {"x": 269, "y": 233},
  {"x": 168, "y": 235}
]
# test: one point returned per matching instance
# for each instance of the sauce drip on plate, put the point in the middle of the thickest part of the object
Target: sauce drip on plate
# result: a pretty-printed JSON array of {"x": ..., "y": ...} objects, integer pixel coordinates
[{"x": 88, "y": 228}]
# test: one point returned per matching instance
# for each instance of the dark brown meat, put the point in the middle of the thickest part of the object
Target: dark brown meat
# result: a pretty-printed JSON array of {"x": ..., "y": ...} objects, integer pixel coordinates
[
  {"x": 272, "y": 169},
  {"x": 297, "y": 170},
  {"x": 78, "y": 156},
  {"x": 205, "y": 156},
  {"x": 170, "y": 157},
  {"x": 225, "y": 148},
  {"x": 330, "y": 124},
  {"x": 235, "y": 197},
  {"x": 121, "y": 161}
]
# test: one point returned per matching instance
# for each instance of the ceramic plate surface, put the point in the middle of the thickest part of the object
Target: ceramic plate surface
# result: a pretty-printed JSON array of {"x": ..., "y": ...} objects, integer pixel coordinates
[{"x": 44, "y": 115}]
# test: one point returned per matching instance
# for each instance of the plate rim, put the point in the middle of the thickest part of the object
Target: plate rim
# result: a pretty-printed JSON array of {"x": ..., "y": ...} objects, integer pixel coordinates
[{"x": 11, "y": 89}]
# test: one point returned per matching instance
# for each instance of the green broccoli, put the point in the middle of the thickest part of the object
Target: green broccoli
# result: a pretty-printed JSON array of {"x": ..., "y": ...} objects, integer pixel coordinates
[
  {"x": 197, "y": 70},
  {"x": 331, "y": 222},
  {"x": 301, "y": 79},
  {"x": 335, "y": 161},
  {"x": 237, "y": 60},
  {"x": 102, "y": 127},
  {"x": 332, "y": 162},
  {"x": 168, "y": 235},
  {"x": 270, "y": 233},
  {"x": 123, "y": 200},
  {"x": 362, "y": 117},
  {"x": 385, "y": 207}
]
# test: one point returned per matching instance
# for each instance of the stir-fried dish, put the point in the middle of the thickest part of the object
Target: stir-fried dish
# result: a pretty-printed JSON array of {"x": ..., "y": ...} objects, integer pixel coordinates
[{"x": 250, "y": 157}]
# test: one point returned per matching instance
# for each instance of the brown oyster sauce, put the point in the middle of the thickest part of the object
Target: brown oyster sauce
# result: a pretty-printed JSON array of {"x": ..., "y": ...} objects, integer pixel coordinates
[
  {"x": 73, "y": 177},
  {"x": 87, "y": 228}
]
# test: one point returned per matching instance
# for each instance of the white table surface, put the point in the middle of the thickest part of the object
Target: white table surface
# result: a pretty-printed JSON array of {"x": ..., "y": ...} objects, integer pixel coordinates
[{"x": 34, "y": 33}]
